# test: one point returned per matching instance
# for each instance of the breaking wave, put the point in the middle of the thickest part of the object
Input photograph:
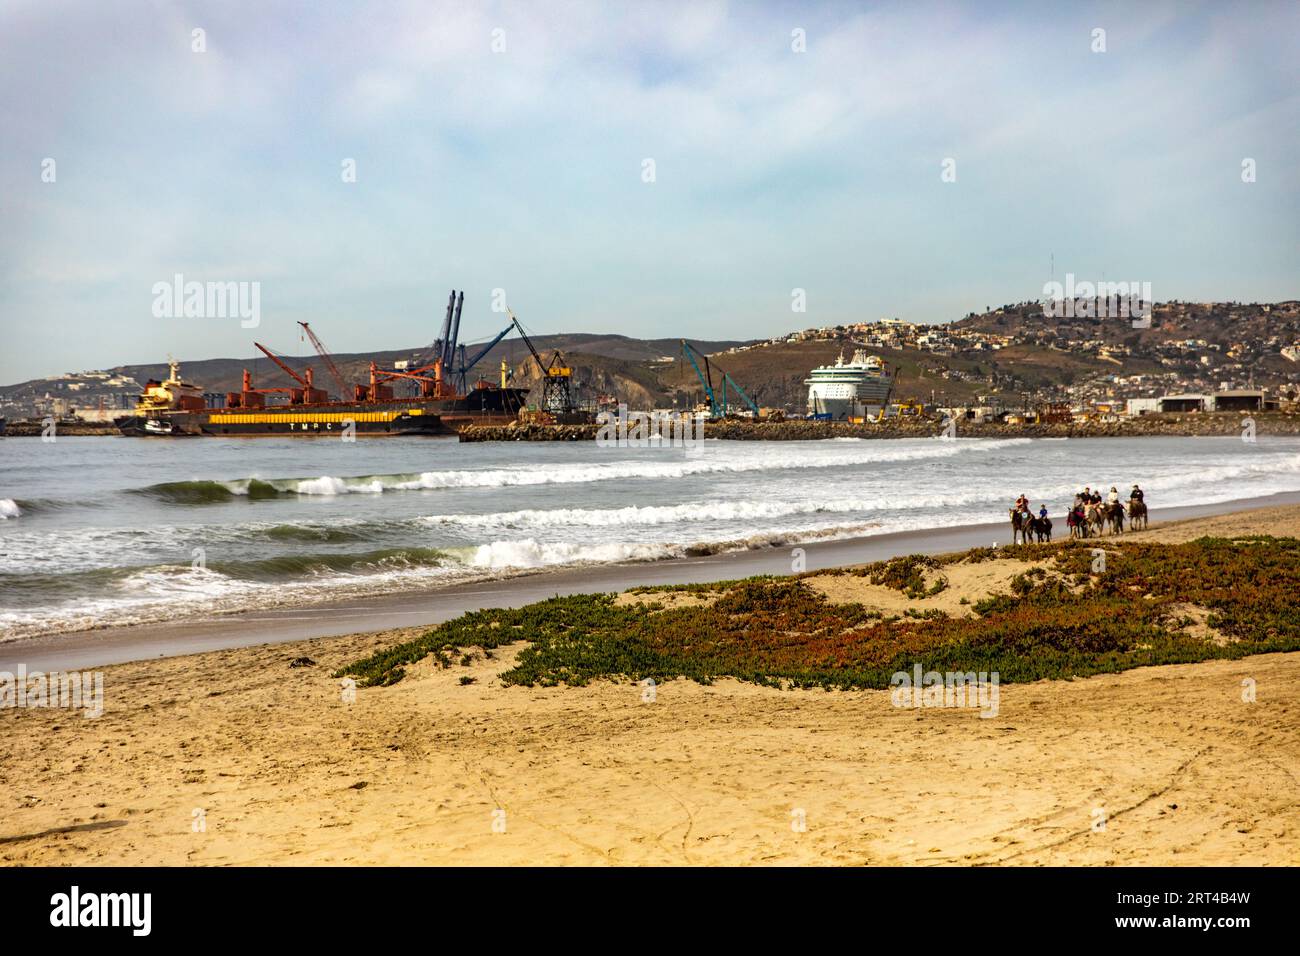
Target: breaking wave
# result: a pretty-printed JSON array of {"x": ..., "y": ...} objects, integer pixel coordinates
[
  {"x": 103, "y": 597},
  {"x": 9, "y": 509},
  {"x": 208, "y": 491}
]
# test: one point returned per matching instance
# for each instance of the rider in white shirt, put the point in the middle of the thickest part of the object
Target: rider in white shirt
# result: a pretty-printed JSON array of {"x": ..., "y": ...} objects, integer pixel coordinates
[{"x": 1113, "y": 497}]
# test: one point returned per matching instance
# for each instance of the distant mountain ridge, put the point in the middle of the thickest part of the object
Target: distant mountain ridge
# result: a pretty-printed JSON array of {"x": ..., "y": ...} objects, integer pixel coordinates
[{"x": 1011, "y": 353}]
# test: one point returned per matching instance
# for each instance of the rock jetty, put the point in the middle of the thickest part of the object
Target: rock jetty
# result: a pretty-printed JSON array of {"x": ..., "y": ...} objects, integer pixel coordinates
[{"x": 1192, "y": 424}]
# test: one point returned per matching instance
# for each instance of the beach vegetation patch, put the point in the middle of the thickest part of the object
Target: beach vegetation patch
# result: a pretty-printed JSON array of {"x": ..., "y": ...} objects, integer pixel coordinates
[{"x": 1057, "y": 622}]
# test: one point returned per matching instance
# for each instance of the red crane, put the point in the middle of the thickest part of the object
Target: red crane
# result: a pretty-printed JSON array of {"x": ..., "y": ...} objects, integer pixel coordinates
[
  {"x": 304, "y": 382},
  {"x": 319, "y": 346}
]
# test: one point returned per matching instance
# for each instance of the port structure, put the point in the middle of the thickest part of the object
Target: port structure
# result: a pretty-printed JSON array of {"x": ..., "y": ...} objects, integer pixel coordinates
[
  {"x": 431, "y": 375},
  {"x": 462, "y": 372},
  {"x": 557, "y": 378},
  {"x": 309, "y": 394},
  {"x": 447, "y": 375},
  {"x": 250, "y": 397},
  {"x": 442, "y": 372},
  {"x": 717, "y": 409},
  {"x": 323, "y": 352}
]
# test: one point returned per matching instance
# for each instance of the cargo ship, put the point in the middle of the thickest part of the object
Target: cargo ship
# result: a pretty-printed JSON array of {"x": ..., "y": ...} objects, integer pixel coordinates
[
  {"x": 846, "y": 391},
  {"x": 174, "y": 408}
]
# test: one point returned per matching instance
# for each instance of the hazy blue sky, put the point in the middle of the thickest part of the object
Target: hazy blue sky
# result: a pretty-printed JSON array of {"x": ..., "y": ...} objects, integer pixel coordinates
[{"x": 522, "y": 169}]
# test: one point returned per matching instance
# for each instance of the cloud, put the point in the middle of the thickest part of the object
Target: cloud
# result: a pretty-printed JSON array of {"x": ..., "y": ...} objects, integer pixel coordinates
[{"x": 522, "y": 168}]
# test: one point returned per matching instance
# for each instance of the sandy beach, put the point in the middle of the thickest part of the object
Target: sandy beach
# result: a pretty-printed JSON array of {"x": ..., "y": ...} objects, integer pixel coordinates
[{"x": 237, "y": 757}]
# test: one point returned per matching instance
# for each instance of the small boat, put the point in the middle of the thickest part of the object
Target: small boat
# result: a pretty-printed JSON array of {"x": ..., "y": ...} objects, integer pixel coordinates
[{"x": 155, "y": 426}]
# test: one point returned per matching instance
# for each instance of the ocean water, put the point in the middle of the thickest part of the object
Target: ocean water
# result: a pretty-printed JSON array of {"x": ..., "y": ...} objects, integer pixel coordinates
[{"x": 104, "y": 531}]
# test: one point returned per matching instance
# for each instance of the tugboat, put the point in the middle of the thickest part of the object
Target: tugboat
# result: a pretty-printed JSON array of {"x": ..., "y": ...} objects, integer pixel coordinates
[{"x": 161, "y": 406}]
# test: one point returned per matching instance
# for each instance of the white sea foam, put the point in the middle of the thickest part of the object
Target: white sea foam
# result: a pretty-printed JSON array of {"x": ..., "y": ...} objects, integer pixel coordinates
[
  {"x": 576, "y": 473},
  {"x": 9, "y": 509},
  {"x": 686, "y": 514},
  {"x": 530, "y": 553}
]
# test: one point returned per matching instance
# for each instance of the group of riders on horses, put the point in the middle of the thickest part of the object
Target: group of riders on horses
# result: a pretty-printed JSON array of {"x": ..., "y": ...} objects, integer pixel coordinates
[{"x": 1090, "y": 514}]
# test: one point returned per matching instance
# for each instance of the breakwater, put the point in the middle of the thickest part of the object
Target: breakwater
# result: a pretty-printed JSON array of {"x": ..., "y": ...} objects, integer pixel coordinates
[
  {"x": 1198, "y": 424},
  {"x": 36, "y": 428}
]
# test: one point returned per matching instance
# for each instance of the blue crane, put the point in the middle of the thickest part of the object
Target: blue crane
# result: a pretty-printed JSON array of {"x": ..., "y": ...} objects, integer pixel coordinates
[
  {"x": 466, "y": 366},
  {"x": 715, "y": 410}
]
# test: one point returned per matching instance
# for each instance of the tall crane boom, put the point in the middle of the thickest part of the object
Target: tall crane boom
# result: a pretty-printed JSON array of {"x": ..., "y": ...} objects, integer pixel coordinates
[
  {"x": 718, "y": 409},
  {"x": 541, "y": 366},
  {"x": 319, "y": 346},
  {"x": 557, "y": 378},
  {"x": 276, "y": 359},
  {"x": 707, "y": 383},
  {"x": 465, "y": 366}
]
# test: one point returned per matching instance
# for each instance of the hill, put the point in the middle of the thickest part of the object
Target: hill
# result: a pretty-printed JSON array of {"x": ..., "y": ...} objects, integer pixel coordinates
[{"x": 1013, "y": 354}]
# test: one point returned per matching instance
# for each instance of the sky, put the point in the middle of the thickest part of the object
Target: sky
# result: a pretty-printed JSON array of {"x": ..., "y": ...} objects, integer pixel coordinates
[{"x": 653, "y": 169}]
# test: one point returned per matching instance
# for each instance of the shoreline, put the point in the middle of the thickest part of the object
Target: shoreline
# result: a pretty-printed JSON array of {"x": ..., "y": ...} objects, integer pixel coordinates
[{"x": 79, "y": 650}]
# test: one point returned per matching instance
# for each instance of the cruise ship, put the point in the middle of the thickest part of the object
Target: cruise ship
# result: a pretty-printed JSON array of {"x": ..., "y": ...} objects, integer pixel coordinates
[{"x": 849, "y": 390}]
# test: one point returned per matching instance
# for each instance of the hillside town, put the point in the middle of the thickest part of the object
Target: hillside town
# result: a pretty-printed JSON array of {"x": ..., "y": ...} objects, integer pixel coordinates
[{"x": 1192, "y": 357}]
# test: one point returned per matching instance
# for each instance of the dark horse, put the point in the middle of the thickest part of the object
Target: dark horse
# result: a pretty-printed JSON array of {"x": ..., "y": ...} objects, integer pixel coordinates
[
  {"x": 1114, "y": 516},
  {"x": 1019, "y": 525},
  {"x": 1137, "y": 512},
  {"x": 1041, "y": 528}
]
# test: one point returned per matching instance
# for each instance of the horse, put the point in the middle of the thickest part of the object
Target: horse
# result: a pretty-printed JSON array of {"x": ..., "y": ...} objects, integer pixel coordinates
[
  {"x": 1019, "y": 525},
  {"x": 1137, "y": 512},
  {"x": 1114, "y": 514},
  {"x": 1096, "y": 520},
  {"x": 1041, "y": 528}
]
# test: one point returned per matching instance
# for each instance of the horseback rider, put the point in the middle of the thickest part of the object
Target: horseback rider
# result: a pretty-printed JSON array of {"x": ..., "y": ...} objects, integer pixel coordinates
[
  {"x": 1136, "y": 494},
  {"x": 1042, "y": 511},
  {"x": 1113, "y": 497},
  {"x": 1079, "y": 516},
  {"x": 1022, "y": 504}
]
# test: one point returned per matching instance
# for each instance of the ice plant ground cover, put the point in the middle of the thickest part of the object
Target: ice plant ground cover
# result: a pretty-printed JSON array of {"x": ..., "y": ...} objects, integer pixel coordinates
[{"x": 1151, "y": 604}]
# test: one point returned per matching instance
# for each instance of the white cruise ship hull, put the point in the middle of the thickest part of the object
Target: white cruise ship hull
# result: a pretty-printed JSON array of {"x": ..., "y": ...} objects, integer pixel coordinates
[{"x": 858, "y": 389}]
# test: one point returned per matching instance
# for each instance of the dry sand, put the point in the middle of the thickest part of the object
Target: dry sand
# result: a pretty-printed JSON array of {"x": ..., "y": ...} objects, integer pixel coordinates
[{"x": 284, "y": 770}]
